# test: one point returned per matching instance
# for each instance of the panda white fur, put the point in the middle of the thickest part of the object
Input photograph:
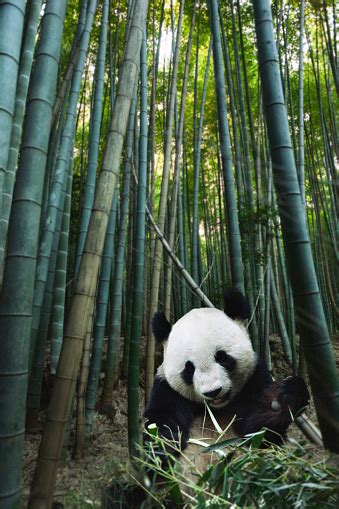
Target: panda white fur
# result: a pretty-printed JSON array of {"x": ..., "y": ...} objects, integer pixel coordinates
[{"x": 208, "y": 358}]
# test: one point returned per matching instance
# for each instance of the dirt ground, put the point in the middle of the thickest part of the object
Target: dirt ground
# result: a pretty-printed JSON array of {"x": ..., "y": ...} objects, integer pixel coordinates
[{"x": 80, "y": 482}]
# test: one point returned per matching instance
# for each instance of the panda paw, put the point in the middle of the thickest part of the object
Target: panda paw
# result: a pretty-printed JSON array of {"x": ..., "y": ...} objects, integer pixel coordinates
[{"x": 292, "y": 394}]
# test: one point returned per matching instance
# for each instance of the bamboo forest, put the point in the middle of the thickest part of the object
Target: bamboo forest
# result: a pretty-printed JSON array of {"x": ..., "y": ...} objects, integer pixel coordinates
[{"x": 153, "y": 154}]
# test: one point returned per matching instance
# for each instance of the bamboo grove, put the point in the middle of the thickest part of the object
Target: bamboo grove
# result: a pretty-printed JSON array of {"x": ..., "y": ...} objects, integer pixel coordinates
[{"x": 152, "y": 154}]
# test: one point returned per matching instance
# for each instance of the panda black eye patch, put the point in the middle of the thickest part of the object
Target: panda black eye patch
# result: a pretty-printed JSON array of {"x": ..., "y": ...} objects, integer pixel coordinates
[
  {"x": 188, "y": 372},
  {"x": 226, "y": 361}
]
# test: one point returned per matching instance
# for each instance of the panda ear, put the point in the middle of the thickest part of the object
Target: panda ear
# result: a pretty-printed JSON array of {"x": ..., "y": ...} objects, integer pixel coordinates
[
  {"x": 236, "y": 305},
  {"x": 160, "y": 326}
]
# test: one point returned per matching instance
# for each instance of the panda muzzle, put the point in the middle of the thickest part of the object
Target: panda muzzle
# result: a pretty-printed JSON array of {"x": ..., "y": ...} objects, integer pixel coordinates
[
  {"x": 222, "y": 399},
  {"x": 211, "y": 397}
]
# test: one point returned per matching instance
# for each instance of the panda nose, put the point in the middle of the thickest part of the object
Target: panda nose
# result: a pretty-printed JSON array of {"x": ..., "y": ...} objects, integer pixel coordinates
[{"x": 212, "y": 394}]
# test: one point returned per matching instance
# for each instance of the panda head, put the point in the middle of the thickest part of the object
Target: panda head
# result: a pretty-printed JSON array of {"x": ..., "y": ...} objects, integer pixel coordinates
[{"x": 208, "y": 355}]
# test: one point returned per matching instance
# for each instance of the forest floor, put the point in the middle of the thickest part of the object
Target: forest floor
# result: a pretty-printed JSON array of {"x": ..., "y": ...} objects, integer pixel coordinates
[{"x": 80, "y": 482}]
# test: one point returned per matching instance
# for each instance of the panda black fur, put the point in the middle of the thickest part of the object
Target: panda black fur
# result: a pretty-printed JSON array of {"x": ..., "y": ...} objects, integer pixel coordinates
[{"x": 208, "y": 358}]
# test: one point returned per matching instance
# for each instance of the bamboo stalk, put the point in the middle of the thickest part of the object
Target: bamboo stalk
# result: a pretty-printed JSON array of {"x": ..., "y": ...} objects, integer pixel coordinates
[
  {"x": 19, "y": 273},
  {"x": 24, "y": 73},
  {"x": 11, "y": 27},
  {"x": 84, "y": 293},
  {"x": 112, "y": 357},
  {"x": 176, "y": 179},
  {"x": 226, "y": 153},
  {"x": 58, "y": 185},
  {"x": 139, "y": 262},
  {"x": 150, "y": 352},
  {"x": 311, "y": 322}
]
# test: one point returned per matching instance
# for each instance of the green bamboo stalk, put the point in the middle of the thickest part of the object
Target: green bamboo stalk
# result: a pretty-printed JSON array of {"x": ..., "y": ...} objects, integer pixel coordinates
[
  {"x": 314, "y": 160},
  {"x": 33, "y": 13},
  {"x": 281, "y": 323},
  {"x": 57, "y": 195},
  {"x": 112, "y": 357},
  {"x": 113, "y": 61},
  {"x": 247, "y": 89},
  {"x": 186, "y": 234},
  {"x": 252, "y": 236},
  {"x": 330, "y": 105},
  {"x": 232, "y": 103},
  {"x": 283, "y": 285},
  {"x": 150, "y": 351},
  {"x": 53, "y": 150},
  {"x": 268, "y": 236},
  {"x": 194, "y": 237},
  {"x": 226, "y": 154},
  {"x": 38, "y": 359},
  {"x": 84, "y": 293},
  {"x": 223, "y": 241},
  {"x": 101, "y": 317},
  {"x": 209, "y": 220},
  {"x": 105, "y": 272},
  {"x": 81, "y": 393},
  {"x": 72, "y": 60},
  {"x": 11, "y": 27},
  {"x": 289, "y": 93},
  {"x": 332, "y": 48},
  {"x": 138, "y": 263},
  {"x": 178, "y": 143},
  {"x": 311, "y": 322},
  {"x": 95, "y": 127},
  {"x": 316, "y": 198},
  {"x": 18, "y": 281},
  {"x": 327, "y": 205},
  {"x": 126, "y": 312},
  {"x": 58, "y": 307},
  {"x": 242, "y": 113},
  {"x": 197, "y": 163},
  {"x": 248, "y": 236},
  {"x": 257, "y": 239},
  {"x": 151, "y": 136},
  {"x": 182, "y": 244},
  {"x": 235, "y": 104},
  {"x": 329, "y": 161}
]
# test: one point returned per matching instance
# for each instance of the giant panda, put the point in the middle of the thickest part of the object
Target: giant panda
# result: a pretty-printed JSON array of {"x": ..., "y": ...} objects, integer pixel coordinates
[{"x": 208, "y": 359}]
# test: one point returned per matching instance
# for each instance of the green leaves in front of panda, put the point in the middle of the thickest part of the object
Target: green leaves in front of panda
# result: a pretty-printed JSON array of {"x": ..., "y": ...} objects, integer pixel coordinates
[
  {"x": 218, "y": 446},
  {"x": 292, "y": 476},
  {"x": 252, "y": 440},
  {"x": 176, "y": 495},
  {"x": 153, "y": 430},
  {"x": 161, "y": 465},
  {"x": 244, "y": 475},
  {"x": 213, "y": 419},
  {"x": 256, "y": 438}
]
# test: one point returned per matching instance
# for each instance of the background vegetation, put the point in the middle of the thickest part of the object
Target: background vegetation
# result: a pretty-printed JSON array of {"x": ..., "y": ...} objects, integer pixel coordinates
[{"x": 145, "y": 164}]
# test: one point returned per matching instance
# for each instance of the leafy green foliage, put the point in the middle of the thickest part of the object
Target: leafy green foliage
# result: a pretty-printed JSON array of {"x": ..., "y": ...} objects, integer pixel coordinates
[{"x": 246, "y": 476}]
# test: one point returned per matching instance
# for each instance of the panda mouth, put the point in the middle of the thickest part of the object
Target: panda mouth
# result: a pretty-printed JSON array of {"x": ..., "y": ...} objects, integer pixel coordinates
[{"x": 223, "y": 399}]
